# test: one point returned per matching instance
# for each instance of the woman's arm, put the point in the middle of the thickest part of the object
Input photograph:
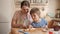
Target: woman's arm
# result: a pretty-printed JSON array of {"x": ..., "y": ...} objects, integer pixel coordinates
[
  {"x": 14, "y": 24},
  {"x": 14, "y": 21}
]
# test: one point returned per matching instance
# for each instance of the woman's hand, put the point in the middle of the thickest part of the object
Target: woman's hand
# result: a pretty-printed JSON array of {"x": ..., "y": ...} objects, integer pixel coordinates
[
  {"x": 30, "y": 26},
  {"x": 24, "y": 26}
]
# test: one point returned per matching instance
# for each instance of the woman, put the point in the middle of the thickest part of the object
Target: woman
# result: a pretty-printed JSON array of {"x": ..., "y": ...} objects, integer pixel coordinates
[{"x": 21, "y": 18}]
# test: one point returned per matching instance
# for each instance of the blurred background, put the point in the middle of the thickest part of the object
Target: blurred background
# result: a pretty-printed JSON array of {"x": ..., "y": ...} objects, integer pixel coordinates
[{"x": 48, "y": 8}]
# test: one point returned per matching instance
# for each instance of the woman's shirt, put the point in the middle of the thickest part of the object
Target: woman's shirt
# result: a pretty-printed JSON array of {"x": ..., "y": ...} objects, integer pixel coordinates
[{"x": 22, "y": 19}]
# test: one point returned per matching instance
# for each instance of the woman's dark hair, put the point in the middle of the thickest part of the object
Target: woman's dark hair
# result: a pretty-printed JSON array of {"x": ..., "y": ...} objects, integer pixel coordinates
[
  {"x": 25, "y": 3},
  {"x": 35, "y": 10}
]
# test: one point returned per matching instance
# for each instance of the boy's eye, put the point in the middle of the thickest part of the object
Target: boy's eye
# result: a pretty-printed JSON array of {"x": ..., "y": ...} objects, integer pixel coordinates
[{"x": 33, "y": 16}]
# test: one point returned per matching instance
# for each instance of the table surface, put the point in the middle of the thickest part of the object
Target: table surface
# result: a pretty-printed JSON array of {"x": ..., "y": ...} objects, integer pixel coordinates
[{"x": 34, "y": 31}]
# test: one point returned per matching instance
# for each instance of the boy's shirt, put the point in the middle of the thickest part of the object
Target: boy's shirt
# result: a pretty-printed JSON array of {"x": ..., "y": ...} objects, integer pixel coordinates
[{"x": 41, "y": 23}]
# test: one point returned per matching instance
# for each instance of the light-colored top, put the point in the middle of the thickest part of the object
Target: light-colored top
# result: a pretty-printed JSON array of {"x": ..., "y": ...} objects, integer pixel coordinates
[{"x": 22, "y": 19}]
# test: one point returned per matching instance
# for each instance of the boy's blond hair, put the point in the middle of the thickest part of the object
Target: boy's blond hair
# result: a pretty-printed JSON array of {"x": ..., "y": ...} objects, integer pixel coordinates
[{"x": 35, "y": 10}]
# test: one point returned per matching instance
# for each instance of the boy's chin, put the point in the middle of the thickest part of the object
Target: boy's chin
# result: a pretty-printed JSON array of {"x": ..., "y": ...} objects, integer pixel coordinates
[{"x": 36, "y": 20}]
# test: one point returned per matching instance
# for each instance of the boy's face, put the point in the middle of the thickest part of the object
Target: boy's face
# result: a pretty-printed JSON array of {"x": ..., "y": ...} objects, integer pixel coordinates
[{"x": 35, "y": 17}]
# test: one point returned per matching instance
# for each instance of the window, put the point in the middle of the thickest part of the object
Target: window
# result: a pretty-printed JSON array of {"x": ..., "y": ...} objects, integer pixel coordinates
[{"x": 33, "y": 3}]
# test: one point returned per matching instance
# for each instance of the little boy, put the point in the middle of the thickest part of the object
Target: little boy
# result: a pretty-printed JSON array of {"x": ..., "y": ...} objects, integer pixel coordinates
[{"x": 37, "y": 21}]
